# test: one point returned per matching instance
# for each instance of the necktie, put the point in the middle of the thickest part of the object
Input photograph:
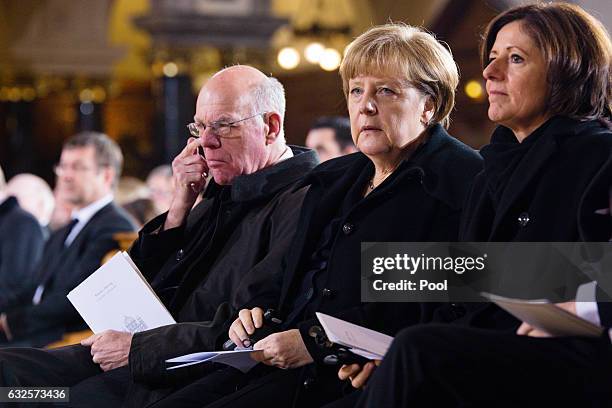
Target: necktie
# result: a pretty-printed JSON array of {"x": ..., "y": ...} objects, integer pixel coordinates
[
  {"x": 69, "y": 229},
  {"x": 41, "y": 287}
]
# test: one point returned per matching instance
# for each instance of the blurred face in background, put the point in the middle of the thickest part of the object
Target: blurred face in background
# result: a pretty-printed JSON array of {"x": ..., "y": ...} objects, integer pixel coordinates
[
  {"x": 161, "y": 189},
  {"x": 80, "y": 180},
  {"x": 323, "y": 141}
]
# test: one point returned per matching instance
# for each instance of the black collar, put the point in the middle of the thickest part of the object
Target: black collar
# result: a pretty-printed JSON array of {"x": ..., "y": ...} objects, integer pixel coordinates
[
  {"x": 437, "y": 162},
  {"x": 8, "y": 204},
  {"x": 268, "y": 181}
]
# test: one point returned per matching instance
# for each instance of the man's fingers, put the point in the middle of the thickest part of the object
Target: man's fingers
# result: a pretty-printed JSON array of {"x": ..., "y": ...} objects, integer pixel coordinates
[
  {"x": 190, "y": 147},
  {"x": 257, "y": 316},
  {"x": 247, "y": 320},
  {"x": 89, "y": 341},
  {"x": 258, "y": 356}
]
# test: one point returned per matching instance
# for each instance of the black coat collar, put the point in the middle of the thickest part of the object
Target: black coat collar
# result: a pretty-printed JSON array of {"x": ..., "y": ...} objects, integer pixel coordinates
[
  {"x": 270, "y": 180},
  {"x": 557, "y": 129},
  {"x": 8, "y": 204},
  {"x": 434, "y": 162}
]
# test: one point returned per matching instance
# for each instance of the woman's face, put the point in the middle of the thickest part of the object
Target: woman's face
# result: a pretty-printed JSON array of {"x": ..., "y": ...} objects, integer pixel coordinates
[
  {"x": 516, "y": 81},
  {"x": 386, "y": 114}
]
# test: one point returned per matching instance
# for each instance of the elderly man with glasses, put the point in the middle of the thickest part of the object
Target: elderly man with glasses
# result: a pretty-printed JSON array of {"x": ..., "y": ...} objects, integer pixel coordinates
[{"x": 204, "y": 263}]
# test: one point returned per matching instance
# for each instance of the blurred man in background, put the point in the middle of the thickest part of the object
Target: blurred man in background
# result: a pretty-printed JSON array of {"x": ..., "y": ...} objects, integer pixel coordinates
[
  {"x": 21, "y": 244},
  {"x": 331, "y": 137},
  {"x": 161, "y": 187},
  {"x": 34, "y": 195},
  {"x": 87, "y": 173}
]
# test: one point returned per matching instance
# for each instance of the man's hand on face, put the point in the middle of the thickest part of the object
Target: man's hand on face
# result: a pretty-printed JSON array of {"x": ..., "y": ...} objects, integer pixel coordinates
[
  {"x": 189, "y": 171},
  {"x": 356, "y": 374},
  {"x": 526, "y": 329},
  {"x": 283, "y": 350},
  {"x": 110, "y": 349}
]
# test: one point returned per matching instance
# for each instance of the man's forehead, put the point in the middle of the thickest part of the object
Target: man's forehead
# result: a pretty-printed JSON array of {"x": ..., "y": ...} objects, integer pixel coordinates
[
  {"x": 219, "y": 104},
  {"x": 79, "y": 152}
]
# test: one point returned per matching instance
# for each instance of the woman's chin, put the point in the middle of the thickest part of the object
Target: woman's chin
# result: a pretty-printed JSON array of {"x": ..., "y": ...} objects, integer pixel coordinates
[{"x": 375, "y": 153}]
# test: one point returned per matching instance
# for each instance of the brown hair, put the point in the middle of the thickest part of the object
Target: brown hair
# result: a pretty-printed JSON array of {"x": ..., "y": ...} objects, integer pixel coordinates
[
  {"x": 402, "y": 50},
  {"x": 577, "y": 50}
]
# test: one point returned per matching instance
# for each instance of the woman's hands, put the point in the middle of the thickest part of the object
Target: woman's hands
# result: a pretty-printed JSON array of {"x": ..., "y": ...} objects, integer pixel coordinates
[{"x": 356, "y": 374}]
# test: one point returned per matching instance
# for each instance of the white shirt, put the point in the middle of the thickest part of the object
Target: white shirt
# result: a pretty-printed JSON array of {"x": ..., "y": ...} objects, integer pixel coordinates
[{"x": 84, "y": 215}]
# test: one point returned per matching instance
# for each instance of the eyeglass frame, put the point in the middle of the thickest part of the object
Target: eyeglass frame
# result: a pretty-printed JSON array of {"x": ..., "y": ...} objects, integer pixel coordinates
[
  {"x": 216, "y": 126},
  {"x": 61, "y": 168}
]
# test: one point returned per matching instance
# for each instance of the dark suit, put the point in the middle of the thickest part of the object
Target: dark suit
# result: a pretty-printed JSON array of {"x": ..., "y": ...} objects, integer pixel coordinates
[
  {"x": 21, "y": 246},
  {"x": 59, "y": 271},
  {"x": 559, "y": 184}
]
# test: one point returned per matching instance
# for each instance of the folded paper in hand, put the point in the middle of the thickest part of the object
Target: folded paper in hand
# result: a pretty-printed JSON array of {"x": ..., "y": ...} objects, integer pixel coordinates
[
  {"x": 118, "y": 297},
  {"x": 362, "y": 341},
  {"x": 240, "y": 359},
  {"x": 546, "y": 316}
]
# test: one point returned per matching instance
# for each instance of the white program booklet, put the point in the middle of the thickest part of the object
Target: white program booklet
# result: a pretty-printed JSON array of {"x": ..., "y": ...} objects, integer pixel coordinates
[
  {"x": 118, "y": 297},
  {"x": 546, "y": 316},
  {"x": 362, "y": 341},
  {"x": 240, "y": 359}
]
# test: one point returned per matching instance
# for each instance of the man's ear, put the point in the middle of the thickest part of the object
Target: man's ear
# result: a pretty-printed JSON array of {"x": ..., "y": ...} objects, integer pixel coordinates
[
  {"x": 109, "y": 175},
  {"x": 272, "y": 126}
]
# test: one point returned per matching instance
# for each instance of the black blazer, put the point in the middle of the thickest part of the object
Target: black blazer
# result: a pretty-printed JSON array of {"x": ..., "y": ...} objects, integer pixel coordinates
[
  {"x": 21, "y": 246},
  {"x": 60, "y": 270}
]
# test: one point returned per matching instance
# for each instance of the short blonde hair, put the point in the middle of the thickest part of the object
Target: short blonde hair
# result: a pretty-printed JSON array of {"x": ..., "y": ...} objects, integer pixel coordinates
[{"x": 400, "y": 50}]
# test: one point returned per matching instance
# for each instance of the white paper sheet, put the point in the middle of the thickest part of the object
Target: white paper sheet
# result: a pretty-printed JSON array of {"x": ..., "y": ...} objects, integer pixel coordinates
[
  {"x": 117, "y": 297},
  {"x": 239, "y": 359},
  {"x": 363, "y": 341}
]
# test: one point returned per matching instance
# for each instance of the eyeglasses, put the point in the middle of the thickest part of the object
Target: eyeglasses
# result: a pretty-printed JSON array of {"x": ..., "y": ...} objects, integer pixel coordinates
[
  {"x": 218, "y": 128},
  {"x": 62, "y": 168}
]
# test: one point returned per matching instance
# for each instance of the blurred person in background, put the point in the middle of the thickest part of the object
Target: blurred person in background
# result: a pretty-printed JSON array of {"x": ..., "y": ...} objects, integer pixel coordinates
[
  {"x": 133, "y": 196},
  {"x": 61, "y": 210},
  {"x": 87, "y": 173},
  {"x": 330, "y": 137},
  {"x": 34, "y": 195},
  {"x": 161, "y": 187},
  {"x": 21, "y": 244}
]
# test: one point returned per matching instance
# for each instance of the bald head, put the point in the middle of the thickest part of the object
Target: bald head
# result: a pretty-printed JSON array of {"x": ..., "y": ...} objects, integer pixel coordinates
[
  {"x": 251, "y": 107},
  {"x": 248, "y": 86},
  {"x": 237, "y": 79},
  {"x": 34, "y": 195}
]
